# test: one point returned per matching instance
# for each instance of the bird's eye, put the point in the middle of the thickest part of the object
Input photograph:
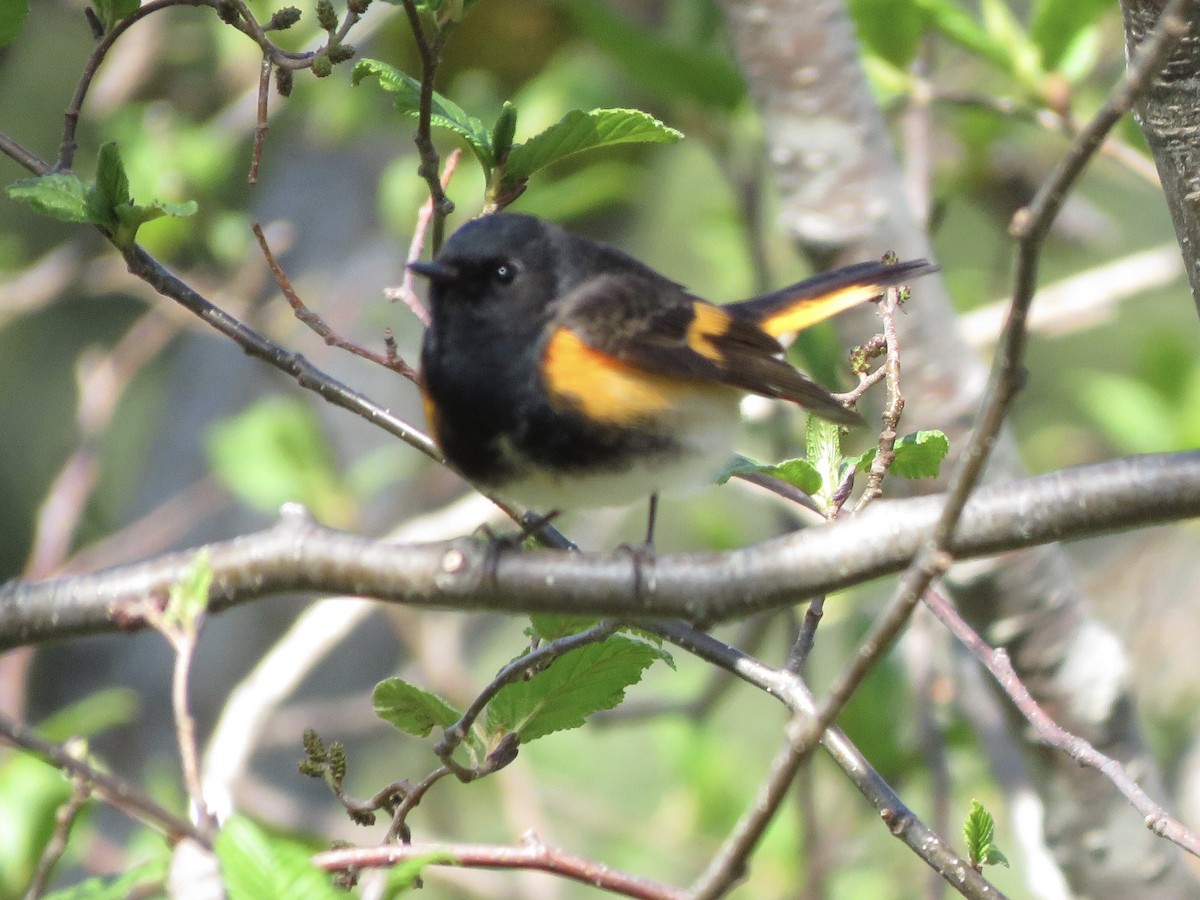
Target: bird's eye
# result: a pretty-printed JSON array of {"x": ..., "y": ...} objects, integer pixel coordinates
[{"x": 504, "y": 272}]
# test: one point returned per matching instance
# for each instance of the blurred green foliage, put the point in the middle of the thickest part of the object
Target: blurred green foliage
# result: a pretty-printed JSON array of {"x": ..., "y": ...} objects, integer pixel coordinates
[{"x": 181, "y": 112}]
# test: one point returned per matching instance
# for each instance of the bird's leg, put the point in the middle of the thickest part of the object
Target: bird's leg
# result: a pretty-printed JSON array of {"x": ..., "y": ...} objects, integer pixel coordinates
[
  {"x": 650, "y": 520},
  {"x": 531, "y": 524}
]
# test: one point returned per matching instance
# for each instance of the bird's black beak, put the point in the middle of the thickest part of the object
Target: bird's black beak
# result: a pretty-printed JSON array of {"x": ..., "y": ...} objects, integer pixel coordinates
[{"x": 434, "y": 271}]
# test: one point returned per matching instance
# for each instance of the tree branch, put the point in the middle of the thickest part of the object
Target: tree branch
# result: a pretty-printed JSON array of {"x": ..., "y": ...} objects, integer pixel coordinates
[{"x": 298, "y": 555}]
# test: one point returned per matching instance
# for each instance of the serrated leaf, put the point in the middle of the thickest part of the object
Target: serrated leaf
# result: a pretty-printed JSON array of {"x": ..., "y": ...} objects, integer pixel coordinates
[
  {"x": 575, "y": 686},
  {"x": 12, "y": 19},
  {"x": 412, "y": 709},
  {"x": 993, "y": 857},
  {"x": 918, "y": 455},
  {"x": 444, "y": 113},
  {"x": 979, "y": 831},
  {"x": 275, "y": 452},
  {"x": 255, "y": 865},
  {"x": 578, "y": 131},
  {"x": 136, "y": 214},
  {"x": 62, "y": 197},
  {"x": 798, "y": 472},
  {"x": 823, "y": 449},
  {"x": 119, "y": 888}
]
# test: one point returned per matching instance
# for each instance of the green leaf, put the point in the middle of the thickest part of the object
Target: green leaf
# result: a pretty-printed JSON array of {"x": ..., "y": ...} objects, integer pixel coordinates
[
  {"x": 275, "y": 452},
  {"x": 950, "y": 18},
  {"x": 574, "y": 687},
  {"x": 104, "y": 202},
  {"x": 798, "y": 472},
  {"x": 1024, "y": 56},
  {"x": 62, "y": 197},
  {"x": 412, "y": 709},
  {"x": 1080, "y": 57},
  {"x": 549, "y": 627},
  {"x": 665, "y": 68},
  {"x": 979, "y": 830},
  {"x": 993, "y": 857},
  {"x": 444, "y": 113},
  {"x": 189, "y": 596},
  {"x": 823, "y": 448},
  {"x": 111, "y": 189},
  {"x": 256, "y": 865},
  {"x": 578, "y": 131},
  {"x": 30, "y": 793},
  {"x": 504, "y": 131},
  {"x": 110, "y": 12},
  {"x": 111, "y": 206},
  {"x": 890, "y": 30},
  {"x": 918, "y": 455},
  {"x": 97, "y": 712},
  {"x": 12, "y": 19},
  {"x": 404, "y": 875},
  {"x": 1057, "y": 24},
  {"x": 130, "y": 884},
  {"x": 1133, "y": 416}
]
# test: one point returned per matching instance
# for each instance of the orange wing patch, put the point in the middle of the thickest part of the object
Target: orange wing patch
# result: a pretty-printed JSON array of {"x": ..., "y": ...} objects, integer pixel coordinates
[
  {"x": 807, "y": 311},
  {"x": 708, "y": 322},
  {"x": 431, "y": 414},
  {"x": 603, "y": 387}
]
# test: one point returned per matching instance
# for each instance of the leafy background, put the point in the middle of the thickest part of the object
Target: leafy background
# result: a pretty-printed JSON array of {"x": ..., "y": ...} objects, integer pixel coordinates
[{"x": 338, "y": 186}]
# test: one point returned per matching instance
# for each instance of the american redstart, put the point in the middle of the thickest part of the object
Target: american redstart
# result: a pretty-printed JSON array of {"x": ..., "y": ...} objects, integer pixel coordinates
[{"x": 560, "y": 373}]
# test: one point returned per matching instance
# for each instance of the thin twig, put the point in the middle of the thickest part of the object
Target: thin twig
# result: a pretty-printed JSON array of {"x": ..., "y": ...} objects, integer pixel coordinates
[
  {"x": 317, "y": 324},
  {"x": 795, "y": 695},
  {"x": 399, "y": 829},
  {"x": 531, "y": 855},
  {"x": 261, "y": 123},
  {"x": 182, "y": 637},
  {"x": 885, "y": 452},
  {"x": 407, "y": 291},
  {"x": 110, "y": 788},
  {"x": 866, "y": 381},
  {"x": 806, "y": 635},
  {"x": 64, "y": 821},
  {"x": 1049, "y": 732},
  {"x": 520, "y": 668},
  {"x": 430, "y": 51}
]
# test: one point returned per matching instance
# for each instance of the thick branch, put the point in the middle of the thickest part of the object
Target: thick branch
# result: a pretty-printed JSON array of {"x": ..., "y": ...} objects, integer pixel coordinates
[
  {"x": 1169, "y": 115},
  {"x": 298, "y": 555}
]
